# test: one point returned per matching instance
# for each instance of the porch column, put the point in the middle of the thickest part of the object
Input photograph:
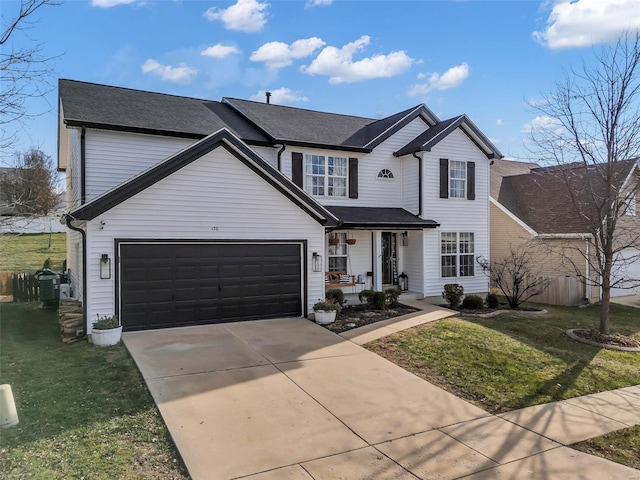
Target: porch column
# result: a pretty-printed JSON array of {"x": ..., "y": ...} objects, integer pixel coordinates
[{"x": 376, "y": 259}]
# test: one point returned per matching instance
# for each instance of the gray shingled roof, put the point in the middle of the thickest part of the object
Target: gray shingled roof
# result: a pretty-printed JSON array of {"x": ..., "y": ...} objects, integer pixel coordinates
[
  {"x": 507, "y": 168},
  {"x": 297, "y": 125},
  {"x": 89, "y": 104},
  {"x": 375, "y": 217}
]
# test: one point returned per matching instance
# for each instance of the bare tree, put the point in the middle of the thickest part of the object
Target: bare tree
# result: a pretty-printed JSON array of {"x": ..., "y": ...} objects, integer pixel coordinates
[
  {"x": 516, "y": 275},
  {"x": 24, "y": 72},
  {"x": 29, "y": 189},
  {"x": 593, "y": 129}
]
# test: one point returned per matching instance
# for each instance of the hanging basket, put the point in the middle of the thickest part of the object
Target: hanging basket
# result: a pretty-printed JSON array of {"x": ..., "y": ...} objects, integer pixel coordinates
[
  {"x": 334, "y": 240},
  {"x": 351, "y": 241}
]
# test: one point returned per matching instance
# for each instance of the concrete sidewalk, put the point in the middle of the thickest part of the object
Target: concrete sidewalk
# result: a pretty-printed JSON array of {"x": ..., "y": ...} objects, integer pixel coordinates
[{"x": 287, "y": 399}]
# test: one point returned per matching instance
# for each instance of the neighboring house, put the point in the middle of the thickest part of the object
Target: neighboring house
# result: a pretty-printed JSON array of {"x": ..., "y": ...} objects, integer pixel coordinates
[
  {"x": 187, "y": 211},
  {"x": 531, "y": 207}
]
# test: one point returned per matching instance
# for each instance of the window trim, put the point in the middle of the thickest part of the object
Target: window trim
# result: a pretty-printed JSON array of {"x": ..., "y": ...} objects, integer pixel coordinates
[
  {"x": 464, "y": 179},
  {"x": 342, "y": 236},
  {"x": 385, "y": 174},
  {"x": 307, "y": 187},
  {"x": 458, "y": 254}
]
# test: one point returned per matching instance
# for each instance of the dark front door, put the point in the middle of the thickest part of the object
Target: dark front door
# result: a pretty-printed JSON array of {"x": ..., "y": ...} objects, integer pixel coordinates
[
  {"x": 389, "y": 258},
  {"x": 177, "y": 284}
]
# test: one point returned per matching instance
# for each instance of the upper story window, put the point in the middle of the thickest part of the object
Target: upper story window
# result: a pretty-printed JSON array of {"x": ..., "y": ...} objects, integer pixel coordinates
[
  {"x": 325, "y": 175},
  {"x": 385, "y": 173},
  {"x": 457, "y": 179}
]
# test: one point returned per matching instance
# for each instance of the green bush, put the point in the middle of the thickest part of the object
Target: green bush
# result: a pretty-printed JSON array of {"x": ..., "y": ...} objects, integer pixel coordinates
[
  {"x": 392, "y": 296},
  {"x": 373, "y": 299},
  {"x": 48, "y": 264},
  {"x": 473, "y": 302},
  {"x": 336, "y": 295},
  {"x": 492, "y": 301},
  {"x": 453, "y": 293}
]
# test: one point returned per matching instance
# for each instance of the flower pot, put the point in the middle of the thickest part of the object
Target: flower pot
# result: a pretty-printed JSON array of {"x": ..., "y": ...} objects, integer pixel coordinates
[
  {"x": 104, "y": 338},
  {"x": 324, "y": 317}
]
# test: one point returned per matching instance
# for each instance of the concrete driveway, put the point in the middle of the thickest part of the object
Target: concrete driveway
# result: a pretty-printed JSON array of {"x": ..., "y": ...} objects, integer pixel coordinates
[{"x": 287, "y": 399}]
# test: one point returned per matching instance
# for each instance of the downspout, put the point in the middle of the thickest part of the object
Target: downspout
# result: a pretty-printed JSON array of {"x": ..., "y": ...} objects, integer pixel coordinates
[
  {"x": 83, "y": 234},
  {"x": 588, "y": 272},
  {"x": 83, "y": 193},
  {"x": 280, "y": 152},
  {"x": 419, "y": 158}
]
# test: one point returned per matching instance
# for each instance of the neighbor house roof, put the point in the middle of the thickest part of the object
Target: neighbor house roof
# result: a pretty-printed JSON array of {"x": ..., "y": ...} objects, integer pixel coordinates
[
  {"x": 376, "y": 217},
  {"x": 225, "y": 139},
  {"x": 542, "y": 198}
]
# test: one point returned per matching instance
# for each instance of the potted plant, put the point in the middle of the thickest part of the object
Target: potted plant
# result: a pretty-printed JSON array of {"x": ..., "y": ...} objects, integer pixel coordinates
[
  {"x": 106, "y": 331},
  {"x": 334, "y": 240},
  {"x": 326, "y": 311}
]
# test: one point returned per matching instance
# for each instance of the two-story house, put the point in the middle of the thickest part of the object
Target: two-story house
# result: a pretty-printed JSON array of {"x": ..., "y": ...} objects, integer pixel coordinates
[{"x": 187, "y": 211}]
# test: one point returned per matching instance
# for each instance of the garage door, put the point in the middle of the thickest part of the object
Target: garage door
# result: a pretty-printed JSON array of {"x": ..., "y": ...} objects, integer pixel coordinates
[
  {"x": 627, "y": 266},
  {"x": 179, "y": 284}
]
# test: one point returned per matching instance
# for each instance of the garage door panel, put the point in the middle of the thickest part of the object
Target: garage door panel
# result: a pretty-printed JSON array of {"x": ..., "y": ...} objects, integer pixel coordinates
[{"x": 178, "y": 284}]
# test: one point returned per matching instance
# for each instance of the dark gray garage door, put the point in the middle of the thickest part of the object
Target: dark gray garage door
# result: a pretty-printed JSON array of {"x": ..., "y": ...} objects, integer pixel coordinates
[{"x": 178, "y": 284}]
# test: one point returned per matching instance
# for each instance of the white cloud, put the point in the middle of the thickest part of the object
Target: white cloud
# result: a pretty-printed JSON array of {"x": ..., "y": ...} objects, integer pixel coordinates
[
  {"x": 281, "y": 96},
  {"x": 543, "y": 122},
  {"x": 246, "y": 16},
  {"x": 110, "y": 3},
  {"x": 338, "y": 63},
  {"x": 317, "y": 3},
  {"x": 219, "y": 51},
  {"x": 181, "y": 74},
  {"x": 449, "y": 79},
  {"x": 499, "y": 122},
  {"x": 581, "y": 23},
  {"x": 279, "y": 54}
]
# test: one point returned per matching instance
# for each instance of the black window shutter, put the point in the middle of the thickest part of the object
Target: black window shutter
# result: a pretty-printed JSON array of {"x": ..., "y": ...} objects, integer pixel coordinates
[
  {"x": 471, "y": 181},
  {"x": 296, "y": 168},
  {"x": 353, "y": 178},
  {"x": 444, "y": 178}
]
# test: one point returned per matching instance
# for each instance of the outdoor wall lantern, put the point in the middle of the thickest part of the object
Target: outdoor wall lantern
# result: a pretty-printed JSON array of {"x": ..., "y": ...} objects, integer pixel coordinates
[
  {"x": 403, "y": 280},
  {"x": 316, "y": 262},
  {"x": 105, "y": 266},
  {"x": 405, "y": 239}
]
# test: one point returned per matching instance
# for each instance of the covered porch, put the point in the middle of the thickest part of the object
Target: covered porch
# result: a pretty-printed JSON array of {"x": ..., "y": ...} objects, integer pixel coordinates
[{"x": 376, "y": 248}]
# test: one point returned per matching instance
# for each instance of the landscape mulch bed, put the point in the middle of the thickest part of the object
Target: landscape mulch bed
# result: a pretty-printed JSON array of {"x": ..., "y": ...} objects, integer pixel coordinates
[
  {"x": 354, "y": 316},
  {"x": 613, "y": 339}
]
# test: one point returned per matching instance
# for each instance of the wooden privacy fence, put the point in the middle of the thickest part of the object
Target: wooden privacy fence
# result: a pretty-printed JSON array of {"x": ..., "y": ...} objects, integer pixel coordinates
[
  {"x": 24, "y": 287},
  {"x": 563, "y": 290}
]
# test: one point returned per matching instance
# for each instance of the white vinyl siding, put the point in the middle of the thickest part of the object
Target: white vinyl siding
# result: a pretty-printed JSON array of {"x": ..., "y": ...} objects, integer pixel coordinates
[
  {"x": 462, "y": 216},
  {"x": 114, "y": 157},
  {"x": 205, "y": 200}
]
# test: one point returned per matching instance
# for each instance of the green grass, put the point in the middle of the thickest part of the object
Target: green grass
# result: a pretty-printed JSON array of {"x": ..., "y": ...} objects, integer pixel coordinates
[
  {"x": 622, "y": 446},
  {"x": 28, "y": 252},
  {"x": 84, "y": 411},
  {"x": 512, "y": 360}
]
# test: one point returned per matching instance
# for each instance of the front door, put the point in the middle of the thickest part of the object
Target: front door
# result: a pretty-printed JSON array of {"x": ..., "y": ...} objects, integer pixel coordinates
[{"x": 389, "y": 258}]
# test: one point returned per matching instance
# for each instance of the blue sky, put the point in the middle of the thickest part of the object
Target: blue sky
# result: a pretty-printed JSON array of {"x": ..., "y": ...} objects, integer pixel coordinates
[{"x": 366, "y": 58}]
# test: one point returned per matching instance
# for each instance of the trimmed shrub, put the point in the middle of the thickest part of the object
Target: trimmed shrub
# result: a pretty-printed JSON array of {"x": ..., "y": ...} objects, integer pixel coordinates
[
  {"x": 492, "y": 301},
  {"x": 453, "y": 293},
  {"x": 473, "y": 302},
  {"x": 379, "y": 300},
  {"x": 392, "y": 296},
  {"x": 366, "y": 296},
  {"x": 336, "y": 295}
]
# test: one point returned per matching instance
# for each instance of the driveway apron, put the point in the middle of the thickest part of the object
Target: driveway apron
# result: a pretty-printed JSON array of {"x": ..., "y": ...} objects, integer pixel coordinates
[{"x": 287, "y": 399}]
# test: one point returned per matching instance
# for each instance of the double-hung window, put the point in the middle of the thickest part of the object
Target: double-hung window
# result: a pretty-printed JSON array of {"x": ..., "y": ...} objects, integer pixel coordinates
[
  {"x": 457, "y": 254},
  {"x": 337, "y": 254},
  {"x": 325, "y": 175},
  {"x": 457, "y": 179}
]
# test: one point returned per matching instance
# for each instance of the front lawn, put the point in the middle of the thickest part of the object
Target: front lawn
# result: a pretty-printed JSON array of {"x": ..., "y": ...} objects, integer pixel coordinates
[
  {"x": 516, "y": 360},
  {"x": 84, "y": 411}
]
